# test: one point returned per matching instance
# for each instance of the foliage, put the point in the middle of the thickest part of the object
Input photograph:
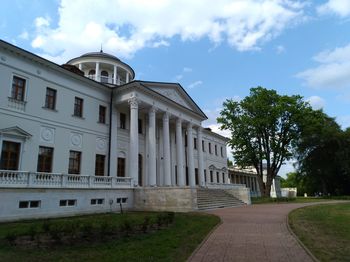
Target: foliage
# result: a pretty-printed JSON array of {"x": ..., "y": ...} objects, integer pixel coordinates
[
  {"x": 324, "y": 229},
  {"x": 264, "y": 127},
  {"x": 323, "y": 154}
]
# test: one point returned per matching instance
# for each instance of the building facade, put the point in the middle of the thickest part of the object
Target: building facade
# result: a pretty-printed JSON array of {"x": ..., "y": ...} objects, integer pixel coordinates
[{"x": 86, "y": 134}]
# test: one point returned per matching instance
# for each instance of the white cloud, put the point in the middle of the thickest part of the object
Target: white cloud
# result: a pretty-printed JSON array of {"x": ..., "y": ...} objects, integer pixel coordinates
[
  {"x": 24, "y": 35},
  {"x": 187, "y": 70},
  {"x": 338, "y": 7},
  {"x": 124, "y": 27},
  {"x": 316, "y": 102},
  {"x": 195, "y": 84},
  {"x": 333, "y": 70},
  {"x": 280, "y": 49},
  {"x": 344, "y": 121}
]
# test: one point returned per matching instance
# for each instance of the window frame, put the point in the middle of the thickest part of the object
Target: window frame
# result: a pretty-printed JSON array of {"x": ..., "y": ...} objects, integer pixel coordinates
[
  {"x": 71, "y": 168},
  {"x": 50, "y": 100},
  {"x": 121, "y": 165},
  {"x": 18, "y": 157},
  {"x": 78, "y": 107},
  {"x": 15, "y": 95},
  {"x": 100, "y": 165},
  {"x": 102, "y": 114},
  {"x": 122, "y": 120},
  {"x": 45, "y": 158}
]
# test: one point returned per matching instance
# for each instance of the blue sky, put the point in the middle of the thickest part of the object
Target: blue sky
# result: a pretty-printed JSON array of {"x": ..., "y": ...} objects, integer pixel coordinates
[{"x": 214, "y": 49}]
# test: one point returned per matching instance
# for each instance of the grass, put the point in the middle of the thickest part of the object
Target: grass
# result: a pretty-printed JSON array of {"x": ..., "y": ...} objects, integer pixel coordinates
[
  {"x": 173, "y": 243},
  {"x": 269, "y": 200},
  {"x": 324, "y": 229}
]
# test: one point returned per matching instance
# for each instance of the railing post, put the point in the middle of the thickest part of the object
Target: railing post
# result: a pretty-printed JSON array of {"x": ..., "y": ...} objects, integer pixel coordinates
[
  {"x": 30, "y": 179},
  {"x": 63, "y": 180},
  {"x": 90, "y": 181}
]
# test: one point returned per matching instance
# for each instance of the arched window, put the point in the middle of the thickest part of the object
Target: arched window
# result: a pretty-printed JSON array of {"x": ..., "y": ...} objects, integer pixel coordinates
[
  {"x": 104, "y": 76},
  {"x": 92, "y": 72}
]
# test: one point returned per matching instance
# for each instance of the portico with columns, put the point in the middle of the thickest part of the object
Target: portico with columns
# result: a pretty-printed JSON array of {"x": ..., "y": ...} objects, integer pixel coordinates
[{"x": 164, "y": 129}]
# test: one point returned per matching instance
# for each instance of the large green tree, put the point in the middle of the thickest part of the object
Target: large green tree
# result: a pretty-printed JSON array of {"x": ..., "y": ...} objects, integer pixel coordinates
[{"x": 264, "y": 127}]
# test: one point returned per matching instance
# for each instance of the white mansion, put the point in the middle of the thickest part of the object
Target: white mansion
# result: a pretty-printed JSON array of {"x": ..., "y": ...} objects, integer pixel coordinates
[{"x": 86, "y": 137}]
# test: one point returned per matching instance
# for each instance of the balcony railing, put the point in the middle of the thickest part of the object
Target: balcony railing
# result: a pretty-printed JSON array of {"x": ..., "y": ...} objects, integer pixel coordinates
[
  {"x": 107, "y": 80},
  {"x": 23, "y": 179}
]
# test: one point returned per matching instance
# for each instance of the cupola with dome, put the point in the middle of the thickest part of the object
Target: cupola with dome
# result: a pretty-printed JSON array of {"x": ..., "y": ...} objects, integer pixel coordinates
[{"x": 104, "y": 68}]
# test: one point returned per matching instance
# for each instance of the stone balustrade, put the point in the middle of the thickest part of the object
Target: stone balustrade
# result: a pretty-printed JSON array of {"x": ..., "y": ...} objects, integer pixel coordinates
[
  {"x": 25, "y": 179},
  {"x": 224, "y": 186}
]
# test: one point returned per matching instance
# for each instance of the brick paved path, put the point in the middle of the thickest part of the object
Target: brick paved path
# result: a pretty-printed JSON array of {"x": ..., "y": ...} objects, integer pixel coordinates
[{"x": 253, "y": 233}]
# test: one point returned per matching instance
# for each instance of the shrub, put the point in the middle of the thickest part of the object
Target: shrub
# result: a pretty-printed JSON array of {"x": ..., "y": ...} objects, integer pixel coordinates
[
  {"x": 32, "y": 232},
  {"x": 146, "y": 223},
  {"x": 126, "y": 227},
  {"x": 46, "y": 226},
  {"x": 11, "y": 237}
]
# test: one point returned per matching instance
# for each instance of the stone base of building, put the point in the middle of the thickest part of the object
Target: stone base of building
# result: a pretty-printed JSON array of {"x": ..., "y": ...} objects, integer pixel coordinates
[
  {"x": 165, "y": 199},
  {"x": 242, "y": 193},
  {"x": 32, "y": 203}
]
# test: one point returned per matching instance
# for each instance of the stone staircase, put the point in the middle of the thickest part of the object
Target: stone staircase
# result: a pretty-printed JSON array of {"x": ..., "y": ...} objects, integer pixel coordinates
[{"x": 216, "y": 198}]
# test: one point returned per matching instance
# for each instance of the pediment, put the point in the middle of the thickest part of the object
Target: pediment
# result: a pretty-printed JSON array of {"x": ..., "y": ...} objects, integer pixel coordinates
[
  {"x": 15, "y": 131},
  {"x": 172, "y": 94}
]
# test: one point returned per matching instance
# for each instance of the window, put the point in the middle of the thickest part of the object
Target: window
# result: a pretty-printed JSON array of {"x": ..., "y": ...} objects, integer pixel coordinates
[
  {"x": 102, "y": 115},
  {"x": 97, "y": 201},
  {"x": 68, "y": 202},
  {"x": 10, "y": 155},
  {"x": 29, "y": 204},
  {"x": 122, "y": 121},
  {"x": 140, "y": 126},
  {"x": 217, "y": 177},
  {"x": 209, "y": 146},
  {"x": 196, "y": 176},
  {"x": 18, "y": 88},
  {"x": 100, "y": 165},
  {"x": 50, "y": 99},
  {"x": 222, "y": 152},
  {"x": 122, "y": 200},
  {"x": 203, "y": 148},
  {"x": 74, "y": 162},
  {"x": 185, "y": 140},
  {"x": 104, "y": 76},
  {"x": 211, "y": 176},
  {"x": 121, "y": 167},
  {"x": 195, "y": 143},
  {"x": 78, "y": 107},
  {"x": 216, "y": 150},
  {"x": 205, "y": 175},
  {"x": 45, "y": 157},
  {"x": 92, "y": 73}
]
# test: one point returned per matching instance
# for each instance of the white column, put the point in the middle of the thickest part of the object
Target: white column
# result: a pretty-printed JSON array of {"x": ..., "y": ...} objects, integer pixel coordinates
[
  {"x": 97, "y": 71},
  {"x": 191, "y": 173},
  {"x": 166, "y": 150},
  {"x": 115, "y": 75},
  {"x": 114, "y": 154},
  {"x": 127, "y": 77},
  {"x": 225, "y": 177},
  {"x": 80, "y": 66},
  {"x": 179, "y": 153},
  {"x": 200, "y": 156},
  {"x": 134, "y": 140},
  {"x": 152, "y": 173}
]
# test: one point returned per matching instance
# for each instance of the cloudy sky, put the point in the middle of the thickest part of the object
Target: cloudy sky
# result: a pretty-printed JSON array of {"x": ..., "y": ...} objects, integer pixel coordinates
[{"x": 215, "y": 49}]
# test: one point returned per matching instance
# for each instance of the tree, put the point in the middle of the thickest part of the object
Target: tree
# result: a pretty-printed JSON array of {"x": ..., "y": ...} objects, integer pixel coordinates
[
  {"x": 323, "y": 155},
  {"x": 264, "y": 127}
]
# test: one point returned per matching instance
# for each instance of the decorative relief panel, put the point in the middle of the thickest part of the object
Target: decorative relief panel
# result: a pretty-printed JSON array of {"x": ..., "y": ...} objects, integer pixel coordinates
[
  {"x": 47, "y": 134},
  {"x": 76, "y": 139},
  {"x": 101, "y": 144}
]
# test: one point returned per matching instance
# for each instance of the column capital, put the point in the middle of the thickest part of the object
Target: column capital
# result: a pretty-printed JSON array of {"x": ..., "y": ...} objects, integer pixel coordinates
[
  {"x": 189, "y": 125},
  {"x": 178, "y": 121},
  {"x": 133, "y": 102},
  {"x": 153, "y": 110},
  {"x": 166, "y": 116}
]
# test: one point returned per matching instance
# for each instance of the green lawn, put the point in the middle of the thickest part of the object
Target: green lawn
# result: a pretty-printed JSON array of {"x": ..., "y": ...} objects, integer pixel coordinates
[
  {"x": 269, "y": 200},
  {"x": 173, "y": 243},
  {"x": 324, "y": 229}
]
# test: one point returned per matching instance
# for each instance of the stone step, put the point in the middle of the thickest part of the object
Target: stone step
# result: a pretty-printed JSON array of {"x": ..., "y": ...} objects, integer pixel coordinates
[{"x": 216, "y": 198}]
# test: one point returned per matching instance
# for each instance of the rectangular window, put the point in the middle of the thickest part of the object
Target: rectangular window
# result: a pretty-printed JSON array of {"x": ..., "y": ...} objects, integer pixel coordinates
[
  {"x": 45, "y": 157},
  {"x": 196, "y": 176},
  {"x": 102, "y": 114},
  {"x": 29, "y": 204},
  {"x": 122, "y": 121},
  {"x": 50, "y": 99},
  {"x": 97, "y": 201},
  {"x": 216, "y": 150},
  {"x": 195, "y": 143},
  {"x": 222, "y": 152},
  {"x": 205, "y": 175},
  {"x": 74, "y": 162},
  {"x": 185, "y": 140},
  {"x": 209, "y": 146},
  {"x": 121, "y": 167},
  {"x": 203, "y": 148},
  {"x": 100, "y": 165},
  {"x": 122, "y": 200},
  {"x": 217, "y": 177},
  {"x": 140, "y": 126},
  {"x": 78, "y": 107},
  {"x": 68, "y": 202},
  {"x": 18, "y": 88},
  {"x": 10, "y": 155},
  {"x": 211, "y": 176}
]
